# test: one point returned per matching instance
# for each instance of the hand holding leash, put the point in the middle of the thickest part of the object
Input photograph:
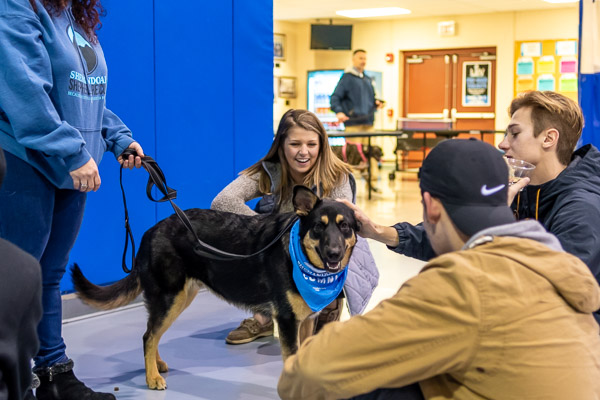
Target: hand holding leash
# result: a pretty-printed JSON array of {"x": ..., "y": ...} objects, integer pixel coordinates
[{"x": 132, "y": 156}]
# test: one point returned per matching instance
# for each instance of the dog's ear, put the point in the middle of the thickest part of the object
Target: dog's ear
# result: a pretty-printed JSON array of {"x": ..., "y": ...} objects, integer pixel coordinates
[
  {"x": 358, "y": 226},
  {"x": 304, "y": 200}
]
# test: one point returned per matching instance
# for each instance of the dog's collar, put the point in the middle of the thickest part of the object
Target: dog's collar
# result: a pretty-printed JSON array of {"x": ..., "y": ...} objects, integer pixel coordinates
[{"x": 317, "y": 287}]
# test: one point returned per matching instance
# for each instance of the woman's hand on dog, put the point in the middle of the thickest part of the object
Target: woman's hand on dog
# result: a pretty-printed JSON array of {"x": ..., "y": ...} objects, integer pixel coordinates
[{"x": 371, "y": 230}]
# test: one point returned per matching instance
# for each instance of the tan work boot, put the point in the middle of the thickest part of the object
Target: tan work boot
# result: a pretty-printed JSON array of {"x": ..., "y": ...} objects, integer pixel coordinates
[{"x": 249, "y": 330}]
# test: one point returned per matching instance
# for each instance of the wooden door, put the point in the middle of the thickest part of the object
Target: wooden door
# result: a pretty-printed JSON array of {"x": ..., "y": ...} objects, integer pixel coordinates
[
  {"x": 456, "y": 85},
  {"x": 427, "y": 85}
]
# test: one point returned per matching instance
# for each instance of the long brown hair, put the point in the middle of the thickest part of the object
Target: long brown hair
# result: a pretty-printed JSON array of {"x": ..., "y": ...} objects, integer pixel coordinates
[
  {"x": 87, "y": 13},
  {"x": 328, "y": 172}
]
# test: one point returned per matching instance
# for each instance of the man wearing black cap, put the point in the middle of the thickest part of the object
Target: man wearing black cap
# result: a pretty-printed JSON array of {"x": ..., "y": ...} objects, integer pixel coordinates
[
  {"x": 20, "y": 313},
  {"x": 502, "y": 312}
]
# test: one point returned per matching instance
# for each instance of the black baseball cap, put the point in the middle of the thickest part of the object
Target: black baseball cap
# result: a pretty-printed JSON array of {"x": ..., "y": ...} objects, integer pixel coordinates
[{"x": 471, "y": 180}]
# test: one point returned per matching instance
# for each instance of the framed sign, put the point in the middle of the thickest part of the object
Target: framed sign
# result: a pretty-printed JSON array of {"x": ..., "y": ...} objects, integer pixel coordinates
[
  {"x": 476, "y": 82},
  {"x": 279, "y": 46},
  {"x": 287, "y": 87}
]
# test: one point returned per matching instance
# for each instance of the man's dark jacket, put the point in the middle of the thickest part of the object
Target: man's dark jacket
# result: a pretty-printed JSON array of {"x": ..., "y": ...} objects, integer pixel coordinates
[{"x": 354, "y": 96}]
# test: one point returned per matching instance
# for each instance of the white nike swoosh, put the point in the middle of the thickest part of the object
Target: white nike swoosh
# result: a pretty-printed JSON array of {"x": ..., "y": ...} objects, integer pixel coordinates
[{"x": 488, "y": 192}]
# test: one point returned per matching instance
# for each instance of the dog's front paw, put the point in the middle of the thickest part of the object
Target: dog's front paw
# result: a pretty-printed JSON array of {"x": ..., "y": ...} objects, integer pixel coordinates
[
  {"x": 162, "y": 366},
  {"x": 156, "y": 382}
]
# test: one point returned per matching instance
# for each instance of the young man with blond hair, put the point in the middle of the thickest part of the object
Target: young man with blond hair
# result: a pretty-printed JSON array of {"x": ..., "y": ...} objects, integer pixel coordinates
[{"x": 564, "y": 188}]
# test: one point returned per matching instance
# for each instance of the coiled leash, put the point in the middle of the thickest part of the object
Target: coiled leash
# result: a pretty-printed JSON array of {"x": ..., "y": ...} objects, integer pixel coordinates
[{"x": 157, "y": 178}]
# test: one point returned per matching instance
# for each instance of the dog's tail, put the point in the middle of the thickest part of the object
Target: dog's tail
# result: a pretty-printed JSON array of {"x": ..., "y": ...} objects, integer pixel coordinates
[{"x": 108, "y": 297}]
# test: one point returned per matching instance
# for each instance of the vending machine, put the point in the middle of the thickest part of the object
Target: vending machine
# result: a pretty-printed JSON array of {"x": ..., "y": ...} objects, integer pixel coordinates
[{"x": 320, "y": 85}]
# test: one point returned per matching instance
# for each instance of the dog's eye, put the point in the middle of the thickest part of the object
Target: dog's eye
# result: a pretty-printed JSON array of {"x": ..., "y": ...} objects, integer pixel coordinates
[
  {"x": 344, "y": 227},
  {"x": 319, "y": 227}
]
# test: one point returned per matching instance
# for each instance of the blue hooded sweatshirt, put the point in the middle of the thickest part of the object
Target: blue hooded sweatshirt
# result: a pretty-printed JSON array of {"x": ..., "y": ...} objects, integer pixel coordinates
[{"x": 53, "y": 83}]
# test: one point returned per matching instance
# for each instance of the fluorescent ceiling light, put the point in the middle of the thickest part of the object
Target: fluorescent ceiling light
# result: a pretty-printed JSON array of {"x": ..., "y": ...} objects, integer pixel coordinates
[
  {"x": 373, "y": 12},
  {"x": 561, "y": 1}
]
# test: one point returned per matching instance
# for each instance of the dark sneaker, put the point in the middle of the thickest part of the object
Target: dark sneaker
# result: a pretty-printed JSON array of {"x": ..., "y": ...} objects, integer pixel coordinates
[{"x": 249, "y": 330}]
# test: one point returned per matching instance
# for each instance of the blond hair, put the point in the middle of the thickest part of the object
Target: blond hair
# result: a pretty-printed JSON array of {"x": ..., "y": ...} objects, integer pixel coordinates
[{"x": 553, "y": 110}]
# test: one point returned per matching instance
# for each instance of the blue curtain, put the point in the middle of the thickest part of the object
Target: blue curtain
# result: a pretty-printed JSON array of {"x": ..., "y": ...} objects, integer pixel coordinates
[{"x": 589, "y": 70}]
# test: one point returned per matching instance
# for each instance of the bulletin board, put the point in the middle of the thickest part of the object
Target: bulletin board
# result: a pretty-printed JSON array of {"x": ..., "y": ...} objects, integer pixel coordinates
[{"x": 546, "y": 65}]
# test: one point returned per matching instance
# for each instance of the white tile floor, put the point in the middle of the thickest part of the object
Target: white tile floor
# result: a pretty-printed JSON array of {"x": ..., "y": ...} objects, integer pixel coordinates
[{"x": 107, "y": 348}]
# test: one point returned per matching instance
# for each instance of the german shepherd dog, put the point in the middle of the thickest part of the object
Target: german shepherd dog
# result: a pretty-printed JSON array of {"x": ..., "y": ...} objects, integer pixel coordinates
[{"x": 167, "y": 270}]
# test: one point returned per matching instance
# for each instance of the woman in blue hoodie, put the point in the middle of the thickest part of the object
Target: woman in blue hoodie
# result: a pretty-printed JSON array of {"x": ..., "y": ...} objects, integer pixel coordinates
[{"x": 54, "y": 128}]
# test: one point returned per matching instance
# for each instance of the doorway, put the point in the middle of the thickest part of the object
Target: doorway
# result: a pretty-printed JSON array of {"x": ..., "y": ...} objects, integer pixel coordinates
[
  {"x": 450, "y": 88},
  {"x": 452, "y": 84}
]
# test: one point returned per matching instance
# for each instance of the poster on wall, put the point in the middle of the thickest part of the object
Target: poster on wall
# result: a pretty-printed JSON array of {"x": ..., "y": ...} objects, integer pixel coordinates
[
  {"x": 547, "y": 65},
  {"x": 476, "y": 90}
]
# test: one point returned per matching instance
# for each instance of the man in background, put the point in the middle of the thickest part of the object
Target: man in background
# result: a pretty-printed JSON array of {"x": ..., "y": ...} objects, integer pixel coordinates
[
  {"x": 354, "y": 103},
  {"x": 502, "y": 312}
]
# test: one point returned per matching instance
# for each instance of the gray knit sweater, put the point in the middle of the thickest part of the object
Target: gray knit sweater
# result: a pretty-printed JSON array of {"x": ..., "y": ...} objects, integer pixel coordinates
[{"x": 363, "y": 275}]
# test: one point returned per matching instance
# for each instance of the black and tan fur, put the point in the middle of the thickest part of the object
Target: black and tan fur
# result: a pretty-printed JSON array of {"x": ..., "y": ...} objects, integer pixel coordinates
[{"x": 167, "y": 269}]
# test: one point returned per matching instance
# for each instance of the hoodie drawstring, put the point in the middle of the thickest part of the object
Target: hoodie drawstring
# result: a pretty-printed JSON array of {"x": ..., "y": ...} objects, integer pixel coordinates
[{"x": 537, "y": 204}]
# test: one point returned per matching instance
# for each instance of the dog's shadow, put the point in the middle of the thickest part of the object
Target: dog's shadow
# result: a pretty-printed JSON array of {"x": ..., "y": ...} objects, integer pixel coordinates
[
  {"x": 212, "y": 334},
  {"x": 267, "y": 346},
  {"x": 202, "y": 351},
  {"x": 132, "y": 385}
]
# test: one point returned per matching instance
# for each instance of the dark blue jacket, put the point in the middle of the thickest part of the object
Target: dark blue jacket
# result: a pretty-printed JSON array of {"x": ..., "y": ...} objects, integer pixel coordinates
[
  {"x": 568, "y": 207},
  {"x": 354, "y": 96}
]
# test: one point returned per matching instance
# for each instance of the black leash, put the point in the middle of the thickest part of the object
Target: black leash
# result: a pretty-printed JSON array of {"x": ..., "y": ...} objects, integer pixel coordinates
[{"x": 157, "y": 178}]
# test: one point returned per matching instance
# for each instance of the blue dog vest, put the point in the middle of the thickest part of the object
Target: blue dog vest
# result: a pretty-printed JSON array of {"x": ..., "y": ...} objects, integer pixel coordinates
[{"x": 317, "y": 287}]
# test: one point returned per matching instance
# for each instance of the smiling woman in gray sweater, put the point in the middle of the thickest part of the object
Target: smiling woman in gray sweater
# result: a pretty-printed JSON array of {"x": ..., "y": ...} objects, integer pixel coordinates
[{"x": 300, "y": 155}]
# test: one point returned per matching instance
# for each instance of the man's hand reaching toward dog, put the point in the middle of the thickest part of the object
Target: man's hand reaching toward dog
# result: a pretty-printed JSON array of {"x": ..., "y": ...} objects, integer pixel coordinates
[{"x": 371, "y": 230}]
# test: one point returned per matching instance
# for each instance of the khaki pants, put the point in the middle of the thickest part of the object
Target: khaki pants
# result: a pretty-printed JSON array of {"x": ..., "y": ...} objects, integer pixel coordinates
[{"x": 365, "y": 141}]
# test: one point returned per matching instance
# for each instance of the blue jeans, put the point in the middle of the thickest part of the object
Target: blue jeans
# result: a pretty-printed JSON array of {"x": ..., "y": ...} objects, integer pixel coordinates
[{"x": 44, "y": 221}]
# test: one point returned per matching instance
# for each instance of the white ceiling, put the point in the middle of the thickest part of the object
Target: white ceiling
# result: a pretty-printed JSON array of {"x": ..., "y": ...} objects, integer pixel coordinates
[{"x": 303, "y": 10}]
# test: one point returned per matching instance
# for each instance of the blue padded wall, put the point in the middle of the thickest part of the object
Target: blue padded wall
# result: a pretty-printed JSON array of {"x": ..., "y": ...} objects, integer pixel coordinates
[
  {"x": 194, "y": 84},
  {"x": 252, "y": 69}
]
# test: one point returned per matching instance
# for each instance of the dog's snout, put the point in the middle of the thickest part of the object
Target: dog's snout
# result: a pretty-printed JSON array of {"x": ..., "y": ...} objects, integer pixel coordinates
[{"x": 334, "y": 252}]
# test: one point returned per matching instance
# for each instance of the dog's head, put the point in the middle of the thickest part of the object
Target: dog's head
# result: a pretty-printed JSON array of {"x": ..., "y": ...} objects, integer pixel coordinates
[
  {"x": 327, "y": 230},
  {"x": 375, "y": 152}
]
